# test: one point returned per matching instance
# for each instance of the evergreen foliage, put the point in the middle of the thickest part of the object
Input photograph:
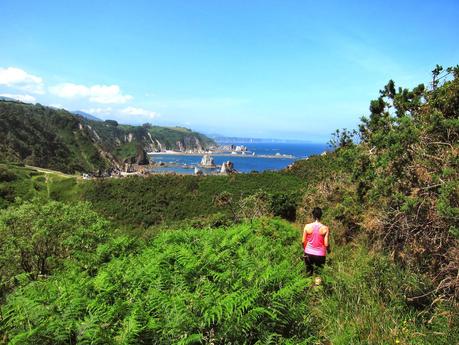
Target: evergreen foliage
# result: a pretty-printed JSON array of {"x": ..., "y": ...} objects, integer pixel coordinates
[{"x": 407, "y": 169}]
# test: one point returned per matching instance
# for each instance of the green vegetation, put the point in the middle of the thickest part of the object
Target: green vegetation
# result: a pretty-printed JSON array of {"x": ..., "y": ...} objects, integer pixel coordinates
[
  {"x": 206, "y": 259},
  {"x": 46, "y": 137},
  {"x": 157, "y": 199},
  {"x": 37, "y": 236},
  {"x": 189, "y": 286},
  {"x": 243, "y": 284},
  {"x": 56, "y": 139},
  {"x": 369, "y": 300},
  {"x": 19, "y": 183}
]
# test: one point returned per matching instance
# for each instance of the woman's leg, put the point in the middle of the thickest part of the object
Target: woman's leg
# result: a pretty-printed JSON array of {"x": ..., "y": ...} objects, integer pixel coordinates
[
  {"x": 309, "y": 264},
  {"x": 319, "y": 262}
]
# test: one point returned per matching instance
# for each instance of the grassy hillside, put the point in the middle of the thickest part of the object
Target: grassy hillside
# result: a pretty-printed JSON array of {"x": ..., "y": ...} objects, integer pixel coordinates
[
  {"x": 154, "y": 200},
  {"x": 46, "y": 137},
  {"x": 19, "y": 183},
  {"x": 56, "y": 139},
  {"x": 243, "y": 284},
  {"x": 122, "y": 140}
]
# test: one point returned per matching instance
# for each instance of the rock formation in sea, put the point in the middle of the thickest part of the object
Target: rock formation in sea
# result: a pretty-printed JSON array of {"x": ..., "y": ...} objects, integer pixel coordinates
[
  {"x": 207, "y": 161},
  {"x": 227, "y": 168}
]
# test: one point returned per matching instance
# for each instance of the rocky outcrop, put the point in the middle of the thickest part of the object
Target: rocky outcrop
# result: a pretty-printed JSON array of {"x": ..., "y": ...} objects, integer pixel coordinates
[
  {"x": 198, "y": 144},
  {"x": 141, "y": 157},
  {"x": 227, "y": 168},
  {"x": 198, "y": 171},
  {"x": 180, "y": 146},
  {"x": 160, "y": 147},
  {"x": 207, "y": 161}
]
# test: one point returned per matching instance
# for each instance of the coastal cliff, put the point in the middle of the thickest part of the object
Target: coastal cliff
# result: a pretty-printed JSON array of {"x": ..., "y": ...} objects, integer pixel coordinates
[{"x": 57, "y": 139}]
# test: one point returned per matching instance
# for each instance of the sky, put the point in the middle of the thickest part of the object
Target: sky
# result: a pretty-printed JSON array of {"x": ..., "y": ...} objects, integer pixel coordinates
[{"x": 263, "y": 69}]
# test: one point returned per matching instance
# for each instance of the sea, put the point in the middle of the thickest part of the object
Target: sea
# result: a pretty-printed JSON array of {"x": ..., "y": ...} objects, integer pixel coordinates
[{"x": 184, "y": 164}]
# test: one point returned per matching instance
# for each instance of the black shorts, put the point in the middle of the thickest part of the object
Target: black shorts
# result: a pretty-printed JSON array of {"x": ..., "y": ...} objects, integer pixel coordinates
[{"x": 313, "y": 262}]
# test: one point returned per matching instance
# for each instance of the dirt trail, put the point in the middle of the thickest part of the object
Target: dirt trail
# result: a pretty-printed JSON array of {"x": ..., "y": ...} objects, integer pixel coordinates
[{"x": 49, "y": 171}]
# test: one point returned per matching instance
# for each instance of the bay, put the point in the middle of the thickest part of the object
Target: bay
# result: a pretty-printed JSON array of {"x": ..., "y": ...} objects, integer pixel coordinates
[{"x": 246, "y": 163}]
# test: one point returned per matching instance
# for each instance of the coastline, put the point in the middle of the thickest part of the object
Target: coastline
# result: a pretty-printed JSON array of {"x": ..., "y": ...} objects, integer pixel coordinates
[{"x": 221, "y": 154}]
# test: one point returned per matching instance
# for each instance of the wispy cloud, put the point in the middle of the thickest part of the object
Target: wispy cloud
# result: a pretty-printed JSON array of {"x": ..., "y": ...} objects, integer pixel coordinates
[
  {"x": 19, "y": 79},
  {"x": 99, "y": 111},
  {"x": 124, "y": 114},
  {"x": 133, "y": 111},
  {"x": 104, "y": 94}
]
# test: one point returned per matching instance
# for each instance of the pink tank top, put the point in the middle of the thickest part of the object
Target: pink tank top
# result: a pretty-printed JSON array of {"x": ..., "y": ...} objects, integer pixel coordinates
[{"x": 315, "y": 242}]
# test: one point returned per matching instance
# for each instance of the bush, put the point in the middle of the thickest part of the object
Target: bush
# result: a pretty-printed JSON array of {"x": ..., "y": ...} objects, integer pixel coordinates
[{"x": 38, "y": 235}]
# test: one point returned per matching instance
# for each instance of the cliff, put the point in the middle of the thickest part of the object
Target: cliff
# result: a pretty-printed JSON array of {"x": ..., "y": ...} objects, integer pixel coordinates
[{"x": 57, "y": 139}]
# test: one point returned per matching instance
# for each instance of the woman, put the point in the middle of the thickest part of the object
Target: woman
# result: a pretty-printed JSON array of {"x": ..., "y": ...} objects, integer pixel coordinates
[{"x": 315, "y": 243}]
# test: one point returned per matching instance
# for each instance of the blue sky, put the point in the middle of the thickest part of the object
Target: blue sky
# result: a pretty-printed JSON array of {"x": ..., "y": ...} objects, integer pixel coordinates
[{"x": 280, "y": 69}]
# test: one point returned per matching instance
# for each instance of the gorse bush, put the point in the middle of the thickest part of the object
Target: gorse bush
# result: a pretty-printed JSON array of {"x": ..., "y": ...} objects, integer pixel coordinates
[
  {"x": 407, "y": 167},
  {"x": 238, "y": 285},
  {"x": 399, "y": 183}
]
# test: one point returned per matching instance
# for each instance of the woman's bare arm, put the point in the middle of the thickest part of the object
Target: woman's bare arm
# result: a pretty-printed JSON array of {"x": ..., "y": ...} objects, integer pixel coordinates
[
  {"x": 327, "y": 235},
  {"x": 304, "y": 236}
]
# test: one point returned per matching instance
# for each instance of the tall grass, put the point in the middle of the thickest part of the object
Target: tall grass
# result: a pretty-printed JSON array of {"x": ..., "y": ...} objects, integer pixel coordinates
[{"x": 367, "y": 299}]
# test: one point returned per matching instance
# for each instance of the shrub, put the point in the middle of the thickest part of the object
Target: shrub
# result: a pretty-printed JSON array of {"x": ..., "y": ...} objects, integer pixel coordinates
[{"x": 36, "y": 236}]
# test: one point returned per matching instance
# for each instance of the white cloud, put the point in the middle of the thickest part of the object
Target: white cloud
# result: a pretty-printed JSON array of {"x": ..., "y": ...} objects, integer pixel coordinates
[
  {"x": 20, "y": 79},
  {"x": 104, "y": 94},
  {"x": 22, "y": 98},
  {"x": 133, "y": 111},
  {"x": 124, "y": 113}
]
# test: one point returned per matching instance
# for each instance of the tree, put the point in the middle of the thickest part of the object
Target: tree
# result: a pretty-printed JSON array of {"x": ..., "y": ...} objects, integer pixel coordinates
[{"x": 111, "y": 123}]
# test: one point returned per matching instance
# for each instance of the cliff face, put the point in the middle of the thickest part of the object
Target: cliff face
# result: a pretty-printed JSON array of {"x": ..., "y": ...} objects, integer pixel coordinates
[
  {"x": 57, "y": 139},
  {"x": 123, "y": 140}
]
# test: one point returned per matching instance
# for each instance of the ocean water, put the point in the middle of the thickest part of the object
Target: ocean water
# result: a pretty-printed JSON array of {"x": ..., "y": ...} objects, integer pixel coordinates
[{"x": 247, "y": 163}]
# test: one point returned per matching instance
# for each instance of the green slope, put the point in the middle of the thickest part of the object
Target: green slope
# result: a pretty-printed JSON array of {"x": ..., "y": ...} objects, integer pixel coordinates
[
  {"x": 241, "y": 285},
  {"x": 56, "y": 139}
]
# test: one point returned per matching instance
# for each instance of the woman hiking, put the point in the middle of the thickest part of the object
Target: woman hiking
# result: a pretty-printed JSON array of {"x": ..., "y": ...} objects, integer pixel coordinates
[{"x": 315, "y": 243}]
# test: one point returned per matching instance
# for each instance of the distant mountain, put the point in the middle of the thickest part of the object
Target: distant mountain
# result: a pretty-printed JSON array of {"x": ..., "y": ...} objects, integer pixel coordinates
[
  {"x": 86, "y": 115},
  {"x": 57, "y": 139},
  {"x": 9, "y": 99},
  {"x": 244, "y": 140}
]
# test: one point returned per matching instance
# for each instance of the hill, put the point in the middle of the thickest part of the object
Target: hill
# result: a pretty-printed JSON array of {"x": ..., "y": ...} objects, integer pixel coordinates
[
  {"x": 57, "y": 139},
  {"x": 86, "y": 115}
]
